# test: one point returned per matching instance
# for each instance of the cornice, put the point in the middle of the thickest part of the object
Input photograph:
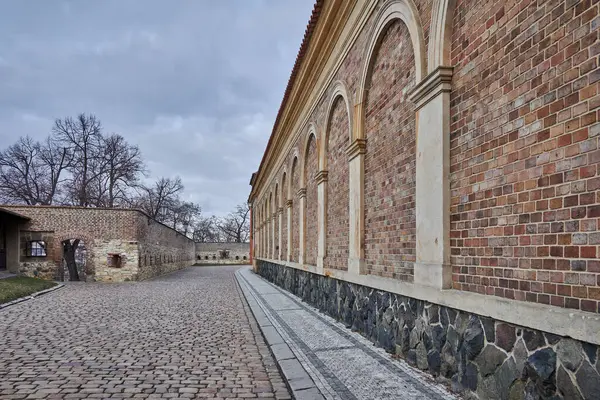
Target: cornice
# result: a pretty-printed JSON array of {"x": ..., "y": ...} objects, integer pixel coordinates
[
  {"x": 356, "y": 148},
  {"x": 438, "y": 81},
  {"x": 327, "y": 32},
  {"x": 321, "y": 177}
]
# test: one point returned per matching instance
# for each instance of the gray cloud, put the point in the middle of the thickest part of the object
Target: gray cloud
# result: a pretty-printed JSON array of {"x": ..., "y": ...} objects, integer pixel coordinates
[{"x": 196, "y": 84}]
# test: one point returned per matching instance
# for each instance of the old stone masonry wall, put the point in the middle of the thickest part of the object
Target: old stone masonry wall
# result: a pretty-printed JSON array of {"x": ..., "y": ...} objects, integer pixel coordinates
[{"x": 480, "y": 357}]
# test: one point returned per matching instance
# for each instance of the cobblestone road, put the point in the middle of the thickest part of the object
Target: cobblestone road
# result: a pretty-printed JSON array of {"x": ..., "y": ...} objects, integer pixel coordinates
[{"x": 185, "y": 335}]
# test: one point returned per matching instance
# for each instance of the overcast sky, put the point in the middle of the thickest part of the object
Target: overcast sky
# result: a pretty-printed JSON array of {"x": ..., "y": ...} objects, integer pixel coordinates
[{"x": 195, "y": 84}]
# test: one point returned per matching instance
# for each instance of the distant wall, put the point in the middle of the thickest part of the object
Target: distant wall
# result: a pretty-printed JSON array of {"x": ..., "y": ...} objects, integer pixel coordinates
[
  {"x": 161, "y": 249},
  {"x": 222, "y": 253}
]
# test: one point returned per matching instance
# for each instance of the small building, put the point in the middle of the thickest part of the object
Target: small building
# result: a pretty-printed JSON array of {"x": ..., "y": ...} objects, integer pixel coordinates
[
  {"x": 105, "y": 244},
  {"x": 222, "y": 253}
]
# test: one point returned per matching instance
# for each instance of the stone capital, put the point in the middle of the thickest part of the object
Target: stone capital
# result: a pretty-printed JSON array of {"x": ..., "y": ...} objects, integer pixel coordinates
[
  {"x": 280, "y": 210},
  {"x": 438, "y": 81},
  {"x": 359, "y": 146},
  {"x": 321, "y": 177},
  {"x": 301, "y": 193},
  {"x": 289, "y": 203}
]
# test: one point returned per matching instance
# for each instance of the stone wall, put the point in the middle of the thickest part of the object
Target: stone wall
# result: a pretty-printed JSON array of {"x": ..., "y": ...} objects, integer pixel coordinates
[
  {"x": 144, "y": 247},
  {"x": 476, "y": 355},
  {"x": 212, "y": 253},
  {"x": 161, "y": 249}
]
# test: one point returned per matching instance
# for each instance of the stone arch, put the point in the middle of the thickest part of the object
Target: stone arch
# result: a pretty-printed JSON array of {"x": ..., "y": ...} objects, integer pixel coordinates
[
  {"x": 440, "y": 36},
  {"x": 312, "y": 133},
  {"x": 407, "y": 12},
  {"x": 339, "y": 90}
]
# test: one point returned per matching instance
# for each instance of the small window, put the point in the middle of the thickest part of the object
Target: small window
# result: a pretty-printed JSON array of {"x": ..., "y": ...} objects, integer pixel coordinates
[
  {"x": 244, "y": 257},
  {"x": 199, "y": 258},
  {"x": 206, "y": 257},
  {"x": 214, "y": 257},
  {"x": 114, "y": 260},
  {"x": 36, "y": 248},
  {"x": 237, "y": 257}
]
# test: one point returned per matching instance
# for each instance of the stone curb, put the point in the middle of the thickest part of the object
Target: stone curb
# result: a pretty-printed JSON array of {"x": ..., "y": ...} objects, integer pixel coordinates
[
  {"x": 298, "y": 380},
  {"x": 31, "y": 296}
]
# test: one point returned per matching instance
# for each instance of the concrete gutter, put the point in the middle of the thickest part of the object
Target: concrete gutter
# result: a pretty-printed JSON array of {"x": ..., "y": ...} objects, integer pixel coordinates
[
  {"x": 31, "y": 296},
  {"x": 297, "y": 379}
]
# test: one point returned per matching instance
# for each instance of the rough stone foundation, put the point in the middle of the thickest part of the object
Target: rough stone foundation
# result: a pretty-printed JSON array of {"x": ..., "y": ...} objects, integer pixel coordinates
[{"x": 478, "y": 356}]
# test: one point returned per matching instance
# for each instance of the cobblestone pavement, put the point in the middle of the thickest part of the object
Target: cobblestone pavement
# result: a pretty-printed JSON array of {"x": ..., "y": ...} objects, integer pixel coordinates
[
  {"x": 342, "y": 364},
  {"x": 184, "y": 335}
]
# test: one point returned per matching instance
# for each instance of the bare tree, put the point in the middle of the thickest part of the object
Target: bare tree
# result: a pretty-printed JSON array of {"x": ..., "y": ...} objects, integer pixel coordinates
[
  {"x": 157, "y": 200},
  {"x": 236, "y": 226},
  {"x": 30, "y": 172},
  {"x": 83, "y": 136},
  {"x": 206, "y": 229},
  {"x": 122, "y": 168}
]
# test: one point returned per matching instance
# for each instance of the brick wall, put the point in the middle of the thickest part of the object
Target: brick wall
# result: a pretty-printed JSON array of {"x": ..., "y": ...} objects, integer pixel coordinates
[
  {"x": 276, "y": 221},
  {"x": 525, "y": 184},
  {"x": 105, "y": 232},
  {"x": 294, "y": 243},
  {"x": 337, "y": 187},
  {"x": 284, "y": 218},
  {"x": 312, "y": 206},
  {"x": 524, "y": 151},
  {"x": 161, "y": 250},
  {"x": 390, "y": 158}
]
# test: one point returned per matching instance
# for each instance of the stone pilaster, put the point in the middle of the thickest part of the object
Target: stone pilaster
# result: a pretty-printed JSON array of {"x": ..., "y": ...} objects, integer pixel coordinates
[
  {"x": 280, "y": 232},
  {"x": 432, "y": 100},
  {"x": 356, "y": 158},
  {"x": 289, "y": 205},
  {"x": 302, "y": 227},
  {"x": 321, "y": 179}
]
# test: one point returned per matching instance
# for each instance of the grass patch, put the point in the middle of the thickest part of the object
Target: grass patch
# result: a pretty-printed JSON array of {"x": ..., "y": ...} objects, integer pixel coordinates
[{"x": 21, "y": 286}]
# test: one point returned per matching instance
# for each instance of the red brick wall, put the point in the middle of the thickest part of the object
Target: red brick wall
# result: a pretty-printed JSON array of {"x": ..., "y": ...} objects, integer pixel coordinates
[
  {"x": 337, "y": 187},
  {"x": 390, "y": 158},
  {"x": 270, "y": 226},
  {"x": 276, "y": 221},
  {"x": 524, "y": 151},
  {"x": 312, "y": 205},
  {"x": 284, "y": 219},
  {"x": 295, "y": 211}
]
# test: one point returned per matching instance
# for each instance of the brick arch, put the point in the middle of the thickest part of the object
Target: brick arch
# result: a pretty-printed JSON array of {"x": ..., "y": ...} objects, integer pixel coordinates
[
  {"x": 407, "y": 12},
  {"x": 339, "y": 91},
  {"x": 284, "y": 221},
  {"x": 89, "y": 244},
  {"x": 440, "y": 37},
  {"x": 311, "y": 134},
  {"x": 295, "y": 158},
  {"x": 390, "y": 158},
  {"x": 311, "y": 206},
  {"x": 337, "y": 199},
  {"x": 294, "y": 240}
]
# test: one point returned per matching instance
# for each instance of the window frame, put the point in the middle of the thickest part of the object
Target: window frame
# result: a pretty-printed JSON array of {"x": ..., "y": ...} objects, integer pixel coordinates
[{"x": 40, "y": 252}]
